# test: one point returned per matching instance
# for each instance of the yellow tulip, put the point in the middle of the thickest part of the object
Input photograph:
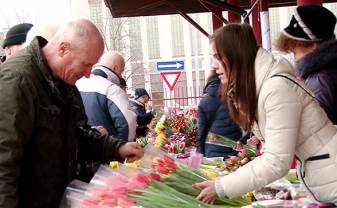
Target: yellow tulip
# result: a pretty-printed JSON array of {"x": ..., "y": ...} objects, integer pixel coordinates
[
  {"x": 114, "y": 164},
  {"x": 211, "y": 175}
]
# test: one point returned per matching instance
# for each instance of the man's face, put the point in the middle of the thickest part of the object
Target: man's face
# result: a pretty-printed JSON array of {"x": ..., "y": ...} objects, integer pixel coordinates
[
  {"x": 77, "y": 63},
  {"x": 299, "y": 52},
  {"x": 143, "y": 99},
  {"x": 11, "y": 50}
]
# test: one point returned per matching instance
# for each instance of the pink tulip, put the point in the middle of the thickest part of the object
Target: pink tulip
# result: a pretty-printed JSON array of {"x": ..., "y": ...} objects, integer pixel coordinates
[{"x": 182, "y": 145}]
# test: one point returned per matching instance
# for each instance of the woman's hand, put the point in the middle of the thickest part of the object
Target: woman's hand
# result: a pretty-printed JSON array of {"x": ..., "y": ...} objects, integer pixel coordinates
[
  {"x": 253, "y": 141},
  {"x": 208, "y": 194}
]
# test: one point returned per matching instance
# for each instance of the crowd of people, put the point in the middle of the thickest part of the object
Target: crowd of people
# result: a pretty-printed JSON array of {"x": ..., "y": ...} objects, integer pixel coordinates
[{"x": 63, "y": 102}]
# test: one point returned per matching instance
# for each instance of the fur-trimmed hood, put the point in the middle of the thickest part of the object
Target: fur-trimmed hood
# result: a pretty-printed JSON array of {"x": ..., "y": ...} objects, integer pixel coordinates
[{"x": 324, "y": 57}]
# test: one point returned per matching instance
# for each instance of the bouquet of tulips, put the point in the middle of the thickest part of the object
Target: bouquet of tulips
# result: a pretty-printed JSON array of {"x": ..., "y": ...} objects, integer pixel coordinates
[
  {"x": 175, "y": 124},
  {"x": 181, "y": 178},
  {"x": 107, "y": 189},
  {"x": 175, "y": 144}
]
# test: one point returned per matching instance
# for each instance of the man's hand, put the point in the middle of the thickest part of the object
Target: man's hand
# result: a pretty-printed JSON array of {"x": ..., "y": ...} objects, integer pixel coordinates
[
  {"x": 148, "y": 107},
  {"x": 102, "y": 130},
  {"x": 132, "y": 151},
  {"x": 208, "y": 194}
]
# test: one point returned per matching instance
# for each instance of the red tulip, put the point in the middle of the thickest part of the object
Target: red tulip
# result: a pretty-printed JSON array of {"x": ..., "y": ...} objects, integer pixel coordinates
[
  {"x": 141, "y": 178},
  {"x": 170, "y": 166},
  {"x": 154, "y": 176},
  {"x": 233, "y": 158},
  {"x": 168, "y": 159},
  {"x": 162, "y": 170},
  {"x": 234, "y": 169},
  {"x": 244, "y": 152}
]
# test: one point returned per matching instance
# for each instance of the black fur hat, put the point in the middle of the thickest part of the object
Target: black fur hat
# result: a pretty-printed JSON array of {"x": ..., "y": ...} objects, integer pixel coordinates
[
  {"x": 17, "y": 34},
  {"x": 311, "y": 23}
]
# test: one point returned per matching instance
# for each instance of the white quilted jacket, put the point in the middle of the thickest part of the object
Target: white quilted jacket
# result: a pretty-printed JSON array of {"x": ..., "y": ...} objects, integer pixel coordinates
[{"x": 290, "y": 122}]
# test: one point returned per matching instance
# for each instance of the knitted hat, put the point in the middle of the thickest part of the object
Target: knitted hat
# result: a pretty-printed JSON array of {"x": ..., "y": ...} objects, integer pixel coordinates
[
  {"x": 139, "y": 92},
  {"x": 16, "y": 34},
  {"x": 311, "y": 23}
]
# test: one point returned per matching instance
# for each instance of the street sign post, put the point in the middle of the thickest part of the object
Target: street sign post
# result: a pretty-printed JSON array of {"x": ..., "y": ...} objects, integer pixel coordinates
[
  {"x": 170, "y": 65},
  {"x": 171, "y": 78},
  {"x": 170, "y": 71}
]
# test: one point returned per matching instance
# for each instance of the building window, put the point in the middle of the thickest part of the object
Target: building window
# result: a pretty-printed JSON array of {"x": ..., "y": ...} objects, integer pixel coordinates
[
  {"x": 200, "y": 60},
  {"x": 195, "y": 37},
  {"x": 153, "y": 37},
  {"x": 95, "y": 7},
  {"x": 136, "y": 51},
  {"x": 177, "y": 36}
]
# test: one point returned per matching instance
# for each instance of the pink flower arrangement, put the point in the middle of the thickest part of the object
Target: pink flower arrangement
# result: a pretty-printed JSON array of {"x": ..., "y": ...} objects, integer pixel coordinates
[{"x": 175, "y": 143}]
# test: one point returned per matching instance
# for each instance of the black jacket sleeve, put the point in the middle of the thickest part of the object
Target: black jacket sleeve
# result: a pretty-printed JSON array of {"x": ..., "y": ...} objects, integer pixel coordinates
[
  {"x": 16, "y": 126},
  {"x": 95, "y": 147},
  {"x": 144, "y": 119}
]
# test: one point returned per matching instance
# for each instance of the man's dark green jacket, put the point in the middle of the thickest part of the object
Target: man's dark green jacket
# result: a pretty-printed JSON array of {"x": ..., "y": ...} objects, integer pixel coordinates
[{"x": 39, "y": 135}]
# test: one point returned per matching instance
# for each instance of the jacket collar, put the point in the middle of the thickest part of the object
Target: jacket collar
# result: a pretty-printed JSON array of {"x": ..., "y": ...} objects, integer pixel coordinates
[
  {"x": 35, "y": 48},
  {"x": 212, "y": 86},
  {"x": 107, "y": 73},
  {"x": 137, "y": 102},
  {"x": 267, "y": 65},
  {"x": 323, "y": 57}
]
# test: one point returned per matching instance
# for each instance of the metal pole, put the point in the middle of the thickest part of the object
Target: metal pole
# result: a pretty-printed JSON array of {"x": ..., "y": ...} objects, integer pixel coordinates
[
  {"x": 196, "y": 65},
  {"x": 265, "y": 27},
  {"x": 233, "y": 16},
  {"x": 256, "y": 22}
]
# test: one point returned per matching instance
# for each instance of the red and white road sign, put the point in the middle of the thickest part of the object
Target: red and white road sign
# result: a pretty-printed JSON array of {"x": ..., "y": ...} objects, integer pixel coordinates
[{"x": 171, "y": 78}]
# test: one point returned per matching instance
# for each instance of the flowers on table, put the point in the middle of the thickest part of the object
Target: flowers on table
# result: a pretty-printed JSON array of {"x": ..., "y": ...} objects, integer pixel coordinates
[
  {"x": 176, "y": 143},
  {"x": 242, "y": 158},
  {"x": 176, "y": 124}
]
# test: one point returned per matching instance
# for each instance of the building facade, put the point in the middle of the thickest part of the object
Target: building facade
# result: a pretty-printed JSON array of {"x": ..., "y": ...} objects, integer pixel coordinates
[{"x": 144, "y": 41}]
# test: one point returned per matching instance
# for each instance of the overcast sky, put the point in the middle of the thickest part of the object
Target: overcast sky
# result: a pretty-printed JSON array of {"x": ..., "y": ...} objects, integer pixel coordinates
[{"x": 33, "y": 11}]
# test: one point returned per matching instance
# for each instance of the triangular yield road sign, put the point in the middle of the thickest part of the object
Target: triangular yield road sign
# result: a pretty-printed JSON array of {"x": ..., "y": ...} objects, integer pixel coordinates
[{"x": 171, "y": 78}]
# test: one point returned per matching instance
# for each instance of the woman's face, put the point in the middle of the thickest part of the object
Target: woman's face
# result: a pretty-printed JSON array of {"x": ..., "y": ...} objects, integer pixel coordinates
[
  {"x": 299, "y": 52},
  {"x": 219, "y": 65}
]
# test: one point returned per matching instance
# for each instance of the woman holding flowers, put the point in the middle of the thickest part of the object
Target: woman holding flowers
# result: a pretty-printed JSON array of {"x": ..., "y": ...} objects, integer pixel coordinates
[
  {"x": 214, "y": 122},
  {"x": 264, "y": 96}
]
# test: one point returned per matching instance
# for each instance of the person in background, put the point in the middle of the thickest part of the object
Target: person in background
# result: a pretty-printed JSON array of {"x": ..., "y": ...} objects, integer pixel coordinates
[
  {"x": 213, "y": 118},
  {"x": 140, "y": 105},
  {"x": 40, "y": 139},
  {"x": 263, "y": 95},
  {"x": 106, "y": 103},
  {"x": 310, "y": 37},
  {"x": 15, "y": 38}
]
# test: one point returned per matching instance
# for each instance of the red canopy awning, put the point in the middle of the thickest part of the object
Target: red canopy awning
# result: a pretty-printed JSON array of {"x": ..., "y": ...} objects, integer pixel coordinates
[{"x": 131, "y": 8}]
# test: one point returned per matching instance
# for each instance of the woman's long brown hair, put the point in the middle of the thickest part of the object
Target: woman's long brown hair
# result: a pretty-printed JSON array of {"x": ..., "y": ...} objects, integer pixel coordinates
[{"x": 238, "y": 44}]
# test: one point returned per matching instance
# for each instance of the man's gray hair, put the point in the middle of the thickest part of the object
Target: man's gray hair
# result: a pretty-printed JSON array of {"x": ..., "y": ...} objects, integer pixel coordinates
[{"x": 76, "y": 33}]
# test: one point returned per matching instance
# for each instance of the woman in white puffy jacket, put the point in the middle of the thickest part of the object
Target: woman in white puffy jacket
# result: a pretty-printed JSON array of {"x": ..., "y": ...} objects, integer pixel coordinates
[{"x": 264, "y": 96}]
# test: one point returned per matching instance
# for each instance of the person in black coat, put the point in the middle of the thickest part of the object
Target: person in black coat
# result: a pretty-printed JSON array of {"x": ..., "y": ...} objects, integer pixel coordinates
[
  {"x": 213, "y": 117},
  {"x": 139, "y": 104},
  {"x": 315, "y": 48}
]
